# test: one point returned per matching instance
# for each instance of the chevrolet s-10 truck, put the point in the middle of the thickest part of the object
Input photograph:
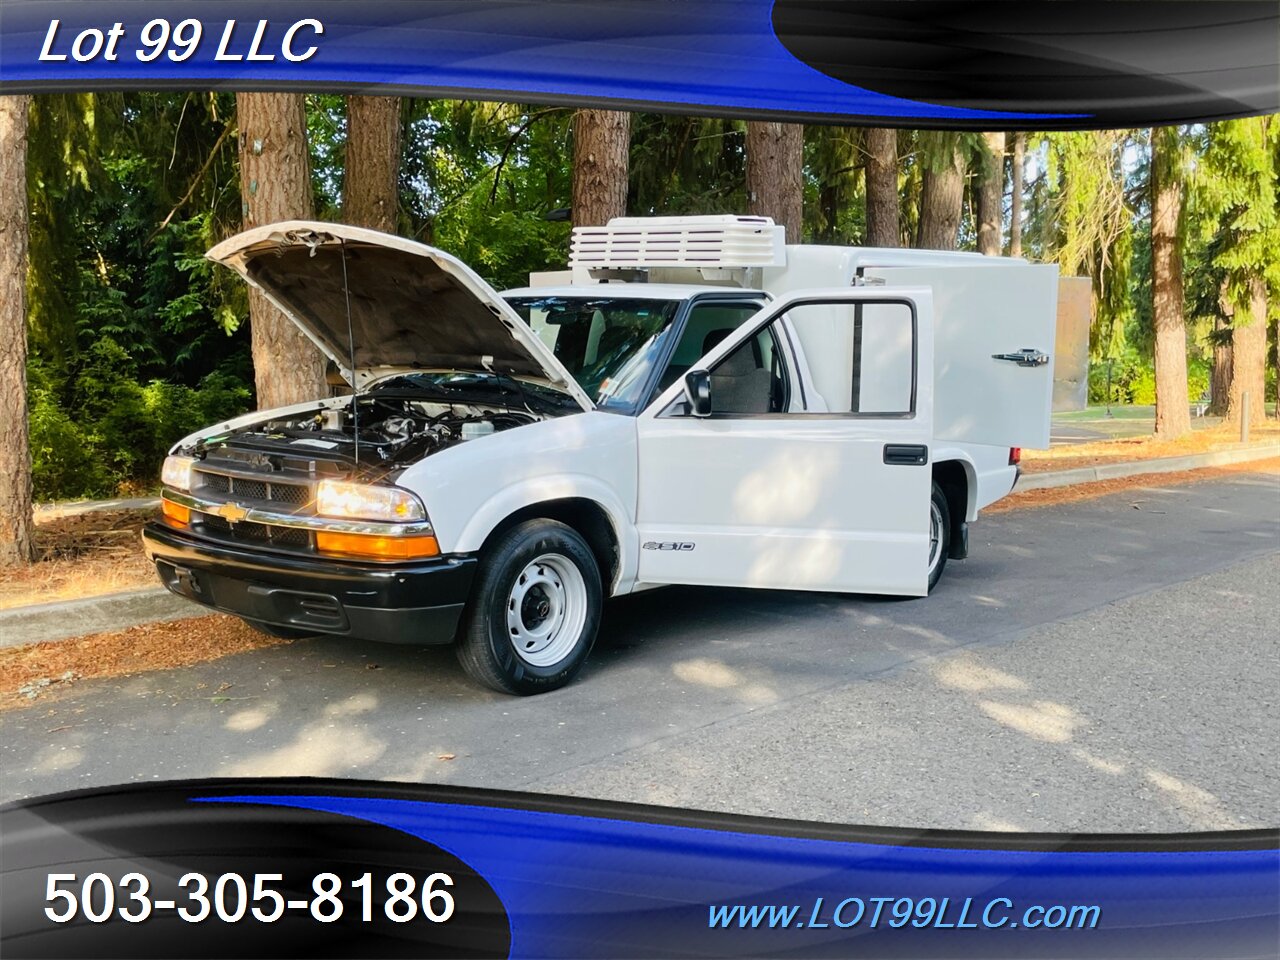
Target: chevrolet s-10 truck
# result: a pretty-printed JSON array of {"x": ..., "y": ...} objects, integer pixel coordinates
[{"x": 699, "y": 403}]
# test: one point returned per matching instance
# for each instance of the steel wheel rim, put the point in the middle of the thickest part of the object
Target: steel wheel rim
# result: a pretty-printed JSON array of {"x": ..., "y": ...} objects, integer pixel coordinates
[
  {"x": 935, "y": 536},
  {"x": 546, "y": 610}
]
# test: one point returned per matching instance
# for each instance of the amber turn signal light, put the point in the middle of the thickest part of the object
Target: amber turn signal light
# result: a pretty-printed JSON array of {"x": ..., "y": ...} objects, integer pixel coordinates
[
  {"x": 175, "y": 513},
  {"x": 373, "y": 547}
]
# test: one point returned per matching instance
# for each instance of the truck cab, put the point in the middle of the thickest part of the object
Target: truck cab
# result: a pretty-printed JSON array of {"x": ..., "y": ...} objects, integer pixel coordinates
[{"x": 693, "y": 402}]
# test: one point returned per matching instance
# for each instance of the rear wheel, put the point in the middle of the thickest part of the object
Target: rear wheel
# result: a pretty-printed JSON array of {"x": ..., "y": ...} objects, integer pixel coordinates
[
  {"x": 534, "y": 610},
  {"x": 939, "y": 535}
]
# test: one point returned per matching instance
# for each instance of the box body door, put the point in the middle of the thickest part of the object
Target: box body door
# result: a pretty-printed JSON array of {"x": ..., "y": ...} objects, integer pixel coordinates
[{"x": 994, "y": 335}]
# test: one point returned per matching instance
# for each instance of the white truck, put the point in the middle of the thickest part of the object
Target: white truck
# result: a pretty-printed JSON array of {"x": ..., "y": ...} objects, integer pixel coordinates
[{"x": 699, "y": 404}]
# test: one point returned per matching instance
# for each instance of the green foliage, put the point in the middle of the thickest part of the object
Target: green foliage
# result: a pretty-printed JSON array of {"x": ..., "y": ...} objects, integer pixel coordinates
[
  {"x": 479, "y": 179},
  {"x": 1236, "y": 197},
  {"x": 1133, "y": 379},
  {"x": 834, "y": 208},
  {"x": 686, "y": 165},
  {"x": 1086, "y": 221},
  {"x": 134, "y": 336},
  {"x": 103, "y": 431}
]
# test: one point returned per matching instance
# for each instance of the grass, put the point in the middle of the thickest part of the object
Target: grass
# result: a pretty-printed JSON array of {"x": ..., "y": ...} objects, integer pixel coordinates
[{"x": 1100, "y": 413}]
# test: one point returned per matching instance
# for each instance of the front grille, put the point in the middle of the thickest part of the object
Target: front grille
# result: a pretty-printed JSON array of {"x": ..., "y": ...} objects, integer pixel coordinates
[
  {"x": 248, "y": 489},
  {"x": 224, "y": 486},
  {"x": 248, "y": 531},
  {"x": 290, "y": 493},
  {"x": 211, "y": 483}
]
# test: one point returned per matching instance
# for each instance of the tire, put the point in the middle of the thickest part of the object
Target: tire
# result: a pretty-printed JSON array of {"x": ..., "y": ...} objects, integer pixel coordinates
[
  {"x": 939, "y": 535},
  {"x": 534, "y": 610},
  {"x": 284, "y": 633}
]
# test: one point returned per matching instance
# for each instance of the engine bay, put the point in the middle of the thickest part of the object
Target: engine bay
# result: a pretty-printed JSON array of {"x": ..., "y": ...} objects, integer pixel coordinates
[{"x": 375, "y": 431}]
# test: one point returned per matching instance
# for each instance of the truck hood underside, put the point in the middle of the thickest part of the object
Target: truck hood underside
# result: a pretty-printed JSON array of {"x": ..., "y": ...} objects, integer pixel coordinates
[{"x": 411, "y": 306}]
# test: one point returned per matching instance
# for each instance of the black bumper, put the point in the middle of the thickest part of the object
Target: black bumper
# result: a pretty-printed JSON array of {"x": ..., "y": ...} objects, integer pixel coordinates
[{"x": 417, "y": 603}]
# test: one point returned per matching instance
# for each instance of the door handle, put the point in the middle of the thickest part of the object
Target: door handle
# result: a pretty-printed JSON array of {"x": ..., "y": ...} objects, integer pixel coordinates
[
  {"x": 1026, "y": 357},
  {"x": 906, "y": 454}
]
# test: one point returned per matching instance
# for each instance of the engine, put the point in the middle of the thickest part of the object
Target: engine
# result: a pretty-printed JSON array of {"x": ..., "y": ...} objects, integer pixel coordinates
[{"x": 377, "y": 432}]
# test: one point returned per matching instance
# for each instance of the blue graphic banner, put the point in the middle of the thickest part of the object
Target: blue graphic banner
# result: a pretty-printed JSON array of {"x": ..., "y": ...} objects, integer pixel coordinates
[
  {"x": 983, "y": 65},
  {"x": 328, "y": 868}
]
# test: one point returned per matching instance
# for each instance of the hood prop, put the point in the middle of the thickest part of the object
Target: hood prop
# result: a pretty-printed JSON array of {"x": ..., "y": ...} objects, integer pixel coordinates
[{"x": 351, "y": 353}]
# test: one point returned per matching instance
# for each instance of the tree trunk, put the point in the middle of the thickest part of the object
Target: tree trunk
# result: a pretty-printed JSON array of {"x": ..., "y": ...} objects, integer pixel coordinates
[
  {"x": 941, "y": 202},
  {"x": 990, "y": 195},
  {"x": 275, "y": 184},
  {"x": 883, "y": 224},
  {"x": 370, "y": 187},
  {"x": 601, "y": 153},
  {"x": 775, "y": 174},
  {"x": 1220, "y": 376},
  {"x": 1015, "y": 194},
  {"x": 17, "y": 527},
  {"x": 1173, "y": 410},
  {"x": 1249, "y": 358}
]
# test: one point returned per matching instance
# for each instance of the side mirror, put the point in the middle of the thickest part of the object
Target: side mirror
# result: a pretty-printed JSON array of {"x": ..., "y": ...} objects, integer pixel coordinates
[{"x": 697, "y": 388}]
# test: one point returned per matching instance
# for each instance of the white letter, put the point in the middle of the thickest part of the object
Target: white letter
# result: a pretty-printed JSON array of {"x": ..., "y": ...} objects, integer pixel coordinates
[
  {"x": 226, "y": 38},
  {"x": 257, "y": 42},
  {"x": 113, "y": 38},
  {"x": 77, "y": 49},
  {"x": 48, "y": 43},
  {"x": 287, "y": 46}
]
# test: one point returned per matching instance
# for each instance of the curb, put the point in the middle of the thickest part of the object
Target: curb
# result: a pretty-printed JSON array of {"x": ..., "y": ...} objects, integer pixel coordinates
[
  {"x": 67, "y": 619},
  {"x": 73, "y": 508},
  {"x": 1135, "y": 468}
]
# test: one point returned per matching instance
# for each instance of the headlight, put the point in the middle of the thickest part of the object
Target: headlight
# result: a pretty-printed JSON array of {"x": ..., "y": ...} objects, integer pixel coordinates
[
  {"x": 176, "y": 472},
  {"x": 362, "y": 501}
]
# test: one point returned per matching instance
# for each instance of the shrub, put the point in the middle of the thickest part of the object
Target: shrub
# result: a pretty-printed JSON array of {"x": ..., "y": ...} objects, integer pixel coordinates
[{"x": 121, "y": 429}]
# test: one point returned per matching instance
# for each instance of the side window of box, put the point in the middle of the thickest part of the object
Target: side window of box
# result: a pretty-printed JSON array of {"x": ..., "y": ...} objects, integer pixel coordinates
[{"x": 861, "y": 356}]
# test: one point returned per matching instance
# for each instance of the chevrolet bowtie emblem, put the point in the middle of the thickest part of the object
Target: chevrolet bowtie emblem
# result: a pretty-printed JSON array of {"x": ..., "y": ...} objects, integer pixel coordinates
[{"x": 232, "y": 512}]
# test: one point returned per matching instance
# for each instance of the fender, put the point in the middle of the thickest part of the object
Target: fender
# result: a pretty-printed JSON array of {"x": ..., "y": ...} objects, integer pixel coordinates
[
  {"x": 987, "y": 472},
  {"x": 470, "y": 488},
  {"x": 529, "y": 493}
]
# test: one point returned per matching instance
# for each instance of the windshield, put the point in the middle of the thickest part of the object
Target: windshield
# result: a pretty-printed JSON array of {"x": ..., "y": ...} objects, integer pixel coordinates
[{"x": 608, "y": 344}]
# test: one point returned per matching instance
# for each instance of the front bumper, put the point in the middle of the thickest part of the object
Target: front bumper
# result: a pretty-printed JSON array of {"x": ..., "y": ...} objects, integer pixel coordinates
[{"x": 418, "y": 603}]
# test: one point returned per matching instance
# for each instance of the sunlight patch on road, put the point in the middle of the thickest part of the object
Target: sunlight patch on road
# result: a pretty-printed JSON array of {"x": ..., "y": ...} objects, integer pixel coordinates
[
  {"x": 1098, "y": 763},
  {"x": 250, "y": 719},
  {"x": 965, "y": 673},
  {"x": 319, "y": 750},
  {"x": 1201, "y": 808},
  {"x": 1042, "y": 720}
]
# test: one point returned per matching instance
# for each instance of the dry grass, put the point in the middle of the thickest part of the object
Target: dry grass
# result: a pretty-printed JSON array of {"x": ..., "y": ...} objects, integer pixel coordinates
[
  {"x": 152, "y": 646},
  {"x": 81, "y": 556},
  {"x": 1143, "y": 448},
  {"x": 1100, "y": 488}
]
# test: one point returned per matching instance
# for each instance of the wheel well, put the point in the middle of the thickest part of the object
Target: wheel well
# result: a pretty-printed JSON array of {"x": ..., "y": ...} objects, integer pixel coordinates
[
  {"x": 587, "y": 517},
  {"x": 950, "y": 475}
]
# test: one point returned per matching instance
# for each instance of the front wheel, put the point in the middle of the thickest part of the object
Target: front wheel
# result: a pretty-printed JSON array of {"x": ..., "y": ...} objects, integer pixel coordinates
[
  {"x": 534, "y": 611},
  {"x": 939, "y": 535}
]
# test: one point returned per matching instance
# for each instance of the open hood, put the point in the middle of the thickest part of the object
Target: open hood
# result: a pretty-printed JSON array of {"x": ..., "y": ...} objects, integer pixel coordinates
[{"x": 411, "y": 306}]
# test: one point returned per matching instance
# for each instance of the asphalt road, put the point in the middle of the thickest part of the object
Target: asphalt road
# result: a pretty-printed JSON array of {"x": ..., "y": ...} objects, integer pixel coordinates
[{"x": 1107, "y": 665}]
